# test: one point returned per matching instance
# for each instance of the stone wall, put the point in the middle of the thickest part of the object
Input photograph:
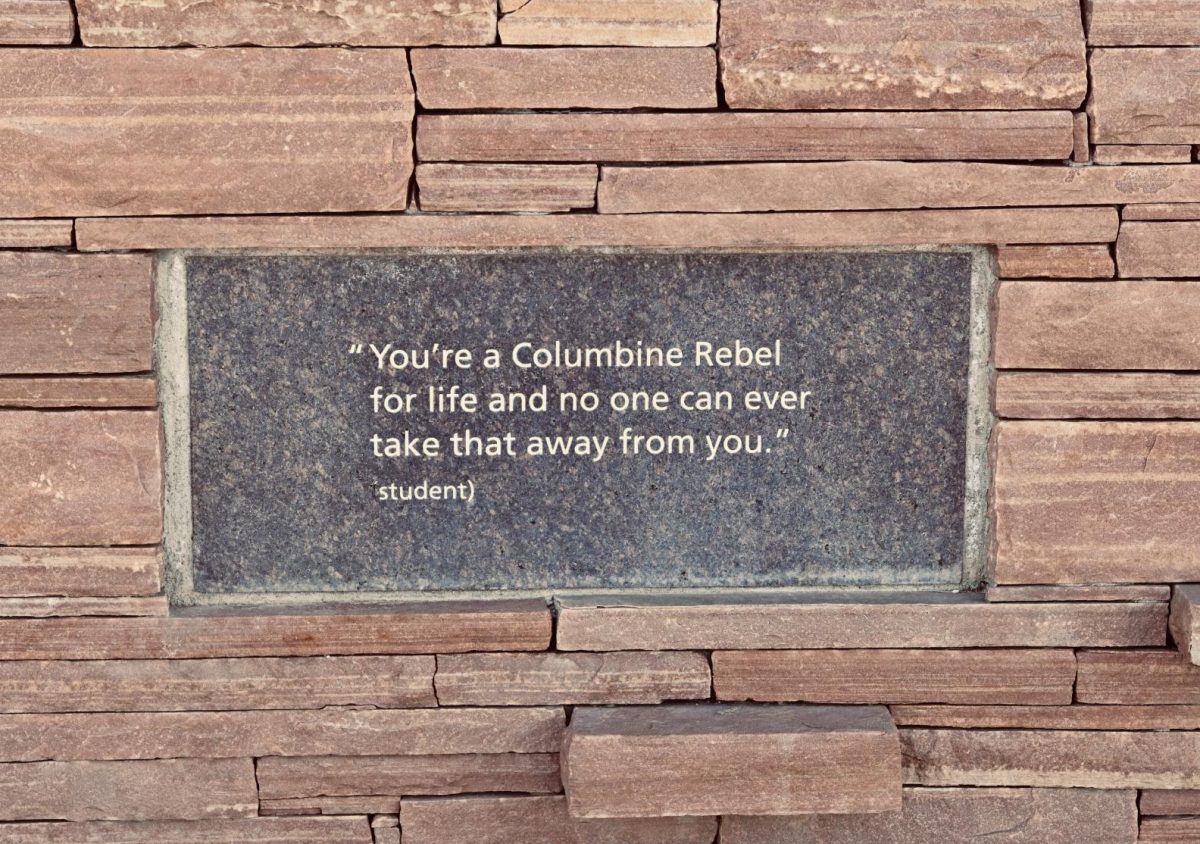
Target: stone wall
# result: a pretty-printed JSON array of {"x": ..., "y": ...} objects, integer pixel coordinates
[{"x": 1056, "y": 706}]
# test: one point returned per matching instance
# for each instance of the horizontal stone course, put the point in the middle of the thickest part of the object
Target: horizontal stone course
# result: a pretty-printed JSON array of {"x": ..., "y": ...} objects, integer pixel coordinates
[
  {"x": 1138, "y": 22},
  {"x": 1170, "y": 802},
  {"x": 1142, "y": 154},
  {"x": 1097, "y": 395},
  {"x": 1076, "y": 717},
  {"x": 639, "y": 23},
  {"x": 79, "y": 572},
  {"x": 1066, "y": 261},
  {"x": 1137, "y": 677},
  {"x": 1168, "y": 830},
  {"x": 1060, "y": 487},
  {"x": 36, "y": 22},
  {"x": 121, "y": 391},
  {"x": 506, "y": 187},
  {"x": 1163, "y": 250},
  {"x": 1170, "y": 211},
  {"x": 1145, "y": 95},
  {"x": 742, "y": 136},
  {"x": 348, "y": 830},
  {"x": 29, "y": 234},
  {"x": 1015, "y": 676},
  {"x": 1008, "y": 594},
  {"x": 54, "y": 607}
]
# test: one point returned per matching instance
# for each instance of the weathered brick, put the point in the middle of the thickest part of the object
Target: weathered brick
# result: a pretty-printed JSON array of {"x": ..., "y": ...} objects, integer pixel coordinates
[
  {"x": 635, "y": 23},
  {"x": 36, "y": 22},
  {"x": 1145, "y": 95},
  {"x": 1127, "y": 23},
  {"x": 1007, "y": 54},
  {"x": 1051, "y": 758},
  {"x": 31, "y": 234},
  {"x": 1143, "y": 154},
  {"x": 224, "y": 23},
  {"x": 80, "y": 478},
  {"x": 1091, "y": 260},
  {"x": 1170, "y": 802},
  {"x": 1097, "y": 395},
  {"x": 117, "y": 132},
  {"x": 69, "y": 393},
  {"x": 79, "y": 572},
  {"x": 348, "y": 830},
  {"x": 1017, "y": 676},
  {"x": 742, "y": 136},
  {"x": 569, "y": 77},
  {"x": 1009, "y": 594},
  {"x": 1078, "y": 717},
  {"x": 1099, "y": 502},
  {"x": 1149, "y": 250},
  {"x": 1137, "y": 677},
  {"x": 506, "y": 187},
  {"x": 571, "y": 678},
  {"x": 961, "y": 815},
  {"x": 716, "y": 759}
]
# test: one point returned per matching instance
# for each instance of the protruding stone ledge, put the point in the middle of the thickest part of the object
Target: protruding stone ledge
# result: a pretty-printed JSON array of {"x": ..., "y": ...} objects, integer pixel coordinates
[{"x": 717, "y": 759}]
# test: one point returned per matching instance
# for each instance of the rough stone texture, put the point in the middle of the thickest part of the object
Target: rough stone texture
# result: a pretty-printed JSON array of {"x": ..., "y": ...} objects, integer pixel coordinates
[
  {"x": 74, "y": 313},
  {"x": 1083, "y": 325},
  {"x": 317, "y": 777},
  {"x": 1005, "y": 54},
  {"x": 506, "y": 187},
  {"x": 443, "y": 627},
  {"x": 1148, "y": 250},
  {"x": 1137, "y": 677},
  {"x": 1070, "y": 261},
  {"x": 569, "y": 77},
  {"x": 67, "y": 393},
  {"x": 121, "y": 23},
  {"x": 1163, "y": 211},
  {"x": 211, "y": 735},
  {"x": 1168, "y": 802},
  {"x": 1127, "y": 23},
  {"x": 51, "y": 607},
  {"x": 717, "y": 759},
  {"x": 1098, "y": 502},
  {"x": 1097, "y": 395},
  {"x": 317, "y": 522},
  {"x": 728, "y": 136},
  {"x": 504, "y": 820},
  {"x": 979, "y": 676},
  {"x": 80, "y": 478},
  {"x": 713, "y": 231},
  {"x": 1184, "y": 619},
  {"x": 1077, "y": 593},
  {"x": 1081, "y": 152},
  {"x": 292, "y": 807},
  {"x": 1051, "y": 758},
  {"x": 1112, "y": 154},
  {"x": 1169, "y": 831},
  {"x": 36, "y": 22},
  {"x": 117, "y": 132},
  {"x": 635, "y": 23},
  {"x": 961, "y": 816},
  {"x": 847, "y": 185},
  {"x": 1145, "y": 96},
  {"x": 79, "y": 572},
  {"x": 243, "y": 831},
  {"x": 1051, "y": 717},
  {"x": 217, "y": 684},
  {"x": 862, "y": 620},
  {"x": 28, "y": 234},
  {"x": 157, "y": 789},
  {"x": 571, "y": 678}
]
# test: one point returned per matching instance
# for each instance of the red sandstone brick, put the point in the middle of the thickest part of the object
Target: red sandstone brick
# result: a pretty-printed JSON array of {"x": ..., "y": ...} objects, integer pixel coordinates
[
  {"x": 74, "y": 313},
  {"x": 491, "y": 819},
  {"x": 941, "y": 815},
  {"x": 1051, "y": 758},
  {"x": 30, "y": 234},
  {"x": 1137, "y": 22},
  {"x": 1121, "y": 718},
  {"x": 637, "y": 23},
  {"x": 54, "y": 607},
  {"x": 1167, "y": 802},
  {"x": 79, "y": 572},
  {"x": 1097, "y": 395},
  {"x": 1143, "y": 154},
  {"x": 36, "y": 22},
  {"x": 903, "y": 620},
  {"x": 117, "y": 132},
  {"x": 1081, "y": 152},
  {"x": 1169, "y": 831},
  {"x": 308, "y": 806},
  {"x": 1069, "y": 261},
  {"x": 718, "y": 759},
  {"x": 1184, "y": 619},
  {"x": 156, "y": 789},
  {"x": 571, "y": 678},
  {"x": 1100, "y": 502},
  {"x": 69, "y": 393},
  {"x": 1159, "y": 249},
  {"x": 1137, "y": 677},
  {"x": 1039, "y": 594},
  {"x": 506, "y": 187},
  {"x": 1015, "y": 675},
  {"x": 1173, "y": 211},
  {"x": 348, "y": 830},
  {"x": 385, "y": 682},
  {"x": 1145, "y": 96},
  {"x": 744, "y": 136},
  {"x": 570, "y": 77},
  {"x": 1008, "y": 54},
  {"x": 80, "y": 478}
]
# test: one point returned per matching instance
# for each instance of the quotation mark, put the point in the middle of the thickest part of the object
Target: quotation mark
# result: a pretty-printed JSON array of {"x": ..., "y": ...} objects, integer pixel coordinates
[
  {"x": 356, "y": 348},
  {"x": 782, "y": 434}
]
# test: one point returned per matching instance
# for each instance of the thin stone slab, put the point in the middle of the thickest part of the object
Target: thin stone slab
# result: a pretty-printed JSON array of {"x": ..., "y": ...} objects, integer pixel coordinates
[
  {"x": 213, "y": 735},
  {"x": 1137, "y": 677},
  {"x": 79, "y": 572},
  {"x": 242, "y": 130},
  {"x": 717, "y": 759},
  {"x": 503, "y": 820},
  {"x": 1011, "y": 675},
  {"x": 1159, "y": 250},
  {"x": 29, "y": 234},
  {"x": 135, "y": 790},
  {"x": 1082, "y": 151},
  {"x": 865, "y": 620},
  {"x": 961, "y": 816},
  {"x": 1077, "y": 717},
  {"x": 743, "y": 136},
  {"x": 74, "y": 393},
  {"x": 1145, "y": 95},
  {"x": 393, "y": 23},
  {"x": 640, "y": 23},
  {"x": 1039, "y": 594},
  {"x": 80, "y": 478},
  {"x": 1059, "y": 488},
  {"x": 385, "y": 682},
  {"x": 1097, "y": 395},
  {"x": 1051, "y": 758},
  {"x": 494, "y": 188},
  {"x": 54, "y": 607},
  {"x": 1093, "y": 260},
  {"x": 571, "y": 678},
  {"x": 849, "y": 185},
  {"x": 777, "y": 54},
  {"x": 69, "y": 314},
  {"x": 569, "y": 77},
  {"x": 1169, "y": 830},
  {"x": 1131, "y": 23},
  {"x": 1170, "y": 802},
  {"x": 1184, "y": 620},
  {"x": 1142, "y": 154},
  {"x": 36, "y": 22},
  {"x": 1174, "y": 211},
  {"x": 345, "y": 830}
]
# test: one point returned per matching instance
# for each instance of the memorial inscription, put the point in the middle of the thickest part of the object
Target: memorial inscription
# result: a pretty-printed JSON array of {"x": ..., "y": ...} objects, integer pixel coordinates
[{"x": 558, "y": 420}]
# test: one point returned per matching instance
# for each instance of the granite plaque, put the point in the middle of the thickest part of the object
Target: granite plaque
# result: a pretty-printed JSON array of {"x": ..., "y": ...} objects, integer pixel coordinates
[{"x": 563, "y": 420}]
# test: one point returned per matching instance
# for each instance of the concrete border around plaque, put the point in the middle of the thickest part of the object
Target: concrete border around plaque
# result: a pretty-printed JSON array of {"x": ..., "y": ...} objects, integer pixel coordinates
[{"x": 174, "y": 384}]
